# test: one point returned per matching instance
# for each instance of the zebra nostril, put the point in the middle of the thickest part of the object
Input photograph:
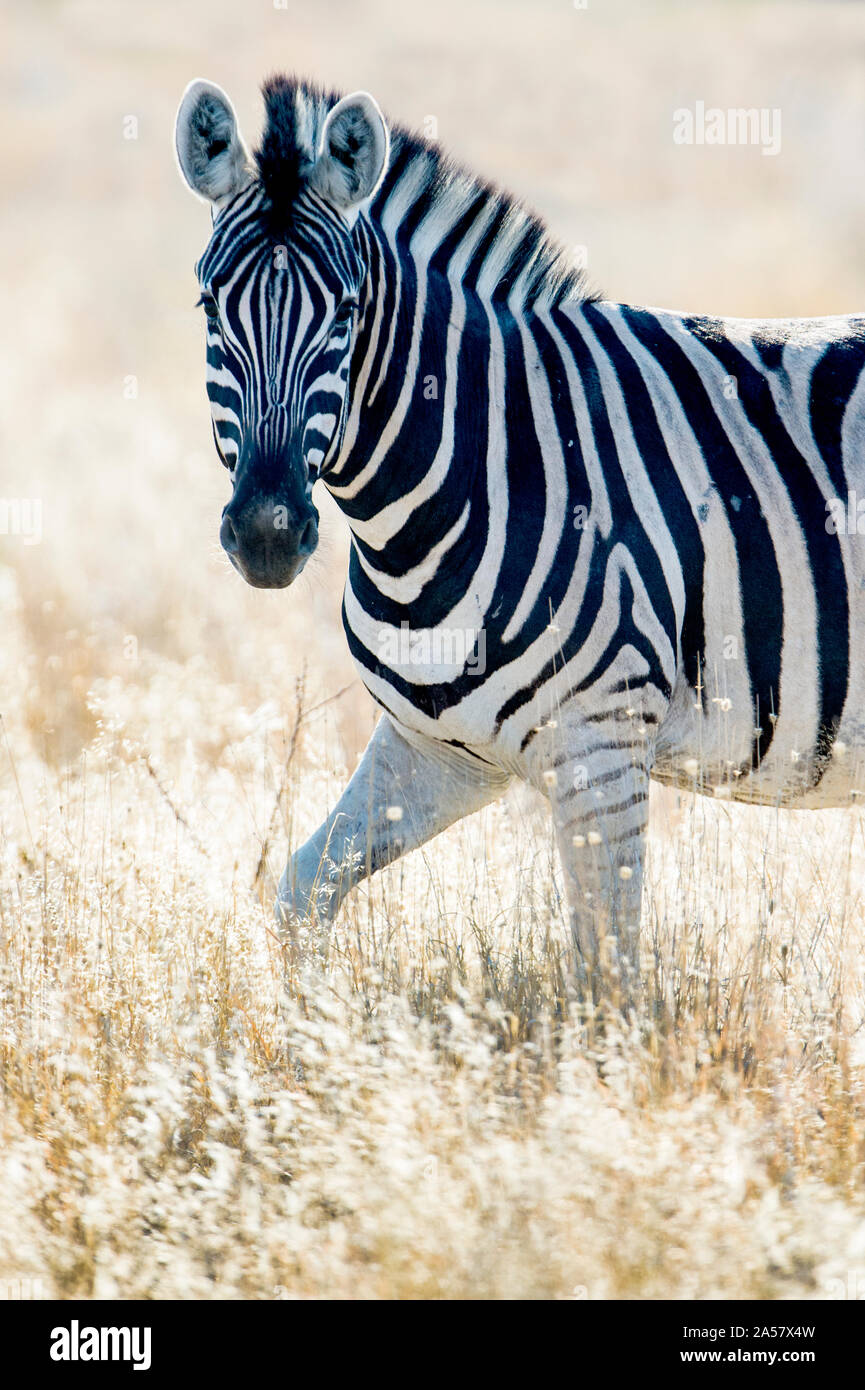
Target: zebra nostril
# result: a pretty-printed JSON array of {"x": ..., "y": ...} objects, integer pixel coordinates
[
  {"x": 228, "y": 535},
  {"x": 308, "y": 537}
]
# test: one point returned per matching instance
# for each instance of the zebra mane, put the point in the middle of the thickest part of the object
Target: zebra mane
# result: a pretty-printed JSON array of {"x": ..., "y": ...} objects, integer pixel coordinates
[{"x": 517, "y": 242}]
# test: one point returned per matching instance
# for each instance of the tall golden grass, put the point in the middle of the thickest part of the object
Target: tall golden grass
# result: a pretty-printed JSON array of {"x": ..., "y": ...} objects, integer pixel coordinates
[{"x": 418, "y": 1106}]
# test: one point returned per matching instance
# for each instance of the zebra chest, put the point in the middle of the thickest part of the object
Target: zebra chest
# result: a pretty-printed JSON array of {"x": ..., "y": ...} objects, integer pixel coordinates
[
  {"x": 430, "y": 679},
  {"x": 429, "y": 706}
]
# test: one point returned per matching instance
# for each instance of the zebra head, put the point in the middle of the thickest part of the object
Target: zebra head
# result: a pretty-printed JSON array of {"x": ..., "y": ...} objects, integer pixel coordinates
[{"x": 281, "y": 281}]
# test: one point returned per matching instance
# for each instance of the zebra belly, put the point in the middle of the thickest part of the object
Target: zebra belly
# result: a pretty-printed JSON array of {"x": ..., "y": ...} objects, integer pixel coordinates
[{"x": 708, "y": 747}]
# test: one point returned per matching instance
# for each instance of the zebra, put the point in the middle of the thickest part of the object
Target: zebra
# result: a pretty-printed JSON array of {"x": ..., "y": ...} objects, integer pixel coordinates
[{"x": 641, "y": 524}]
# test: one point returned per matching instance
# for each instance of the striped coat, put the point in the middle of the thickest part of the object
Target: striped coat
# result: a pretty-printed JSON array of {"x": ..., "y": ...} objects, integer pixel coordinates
[{"x": 590, "y": 543}]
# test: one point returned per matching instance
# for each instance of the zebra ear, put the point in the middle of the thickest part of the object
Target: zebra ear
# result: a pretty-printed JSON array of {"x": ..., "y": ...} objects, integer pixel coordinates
[
  {"x": 212, "y": 156},
  {"x": 353, "y": 153}
]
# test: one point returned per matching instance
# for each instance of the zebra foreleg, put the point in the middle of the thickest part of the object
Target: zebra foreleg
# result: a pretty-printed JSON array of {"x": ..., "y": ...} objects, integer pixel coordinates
[
  {"x": 600, "y": 802},
  {"x": 405, "y": 790}
]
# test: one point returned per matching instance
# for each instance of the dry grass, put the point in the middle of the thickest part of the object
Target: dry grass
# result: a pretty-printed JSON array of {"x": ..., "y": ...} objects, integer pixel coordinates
[{"x": 419, "y": 1109}]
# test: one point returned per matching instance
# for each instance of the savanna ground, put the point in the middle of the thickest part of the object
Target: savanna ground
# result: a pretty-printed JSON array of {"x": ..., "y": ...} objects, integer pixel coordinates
[{"x": 418, "y": 1110}]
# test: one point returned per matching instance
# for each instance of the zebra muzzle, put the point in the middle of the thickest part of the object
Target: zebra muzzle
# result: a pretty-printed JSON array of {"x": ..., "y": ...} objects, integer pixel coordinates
[{"x": 269, "y": 542}]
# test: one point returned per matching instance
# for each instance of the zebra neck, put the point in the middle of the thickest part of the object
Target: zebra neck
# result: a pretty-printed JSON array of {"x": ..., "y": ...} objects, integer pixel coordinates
[{"x": 412, "y": 468}]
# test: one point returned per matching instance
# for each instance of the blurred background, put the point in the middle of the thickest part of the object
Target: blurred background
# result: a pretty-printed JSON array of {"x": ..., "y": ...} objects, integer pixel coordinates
[
  {"x": 416, "y": 1108},
  {"x": 103, "y": 416}
]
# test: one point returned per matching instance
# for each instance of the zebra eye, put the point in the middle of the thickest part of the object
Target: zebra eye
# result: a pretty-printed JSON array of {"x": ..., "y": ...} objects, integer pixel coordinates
[
  {"x": 211, "y": 309},
  {"x": 344, "y": 313}
]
